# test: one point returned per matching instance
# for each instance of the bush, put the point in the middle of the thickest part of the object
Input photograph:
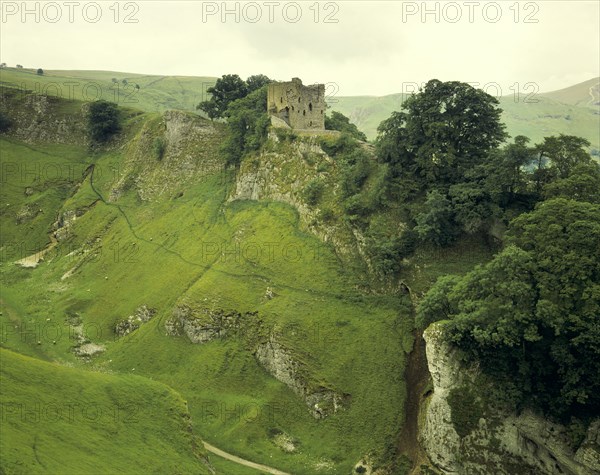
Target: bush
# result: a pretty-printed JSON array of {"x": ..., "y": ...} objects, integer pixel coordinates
[
  {"x": 158, "y": 147},
  {"x": 103, "y": 121},
  {"x": 333, "y": 146},
  {"x": 4, "y": 122},
  {"x": 314, "y": 191}
]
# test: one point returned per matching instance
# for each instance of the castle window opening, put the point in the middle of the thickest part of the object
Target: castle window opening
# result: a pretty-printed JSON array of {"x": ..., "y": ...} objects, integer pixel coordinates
[
  {"x": 304, "y": 112},
  {"x": 310, "y": 106}
]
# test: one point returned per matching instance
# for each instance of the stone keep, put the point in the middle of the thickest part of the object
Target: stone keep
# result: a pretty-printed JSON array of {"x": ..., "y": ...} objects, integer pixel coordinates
[{"x": 299, "y": 106}]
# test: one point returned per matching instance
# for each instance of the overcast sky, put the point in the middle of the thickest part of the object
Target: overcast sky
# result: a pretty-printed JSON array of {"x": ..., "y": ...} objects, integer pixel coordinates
[{"x": 370, "y": 48}]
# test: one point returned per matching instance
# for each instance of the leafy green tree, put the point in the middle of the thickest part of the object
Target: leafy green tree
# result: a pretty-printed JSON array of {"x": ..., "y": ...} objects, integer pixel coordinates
[
  {"x": 103, "y": 120},
  {"x": 436, "y": 223},
  {"x": 532, "y": 314},
  {"x": 583, "y": 184},
  {"x": 4, "y": 122},
  {"x": 472, "y": 206},
  {"x": 247, "y": 123},
  {"x": 436, "y": 305},
  {"x": 442, "y": 132},
  {"x": 338, "y": 121},
  {"x": 565, "y": 152},
  {"x": 227, "y": 89},
  {"x": 505, "y": 176},
  {"x": 40, "y": 72},
  {"x": 257, "y": 81}
]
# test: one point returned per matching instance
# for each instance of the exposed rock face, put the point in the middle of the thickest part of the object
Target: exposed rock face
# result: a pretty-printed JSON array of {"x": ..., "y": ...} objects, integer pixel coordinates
[
  {"x": 281, "y": 364},
  {"x": 141, "y": 315},
  {"x": 38, "y": 118},
  {"x": 203, "y": 325},
  {"x": 502, "y": 441},
  {"x": 282, "y": 175},
  {"x": 189, "y": 151}
]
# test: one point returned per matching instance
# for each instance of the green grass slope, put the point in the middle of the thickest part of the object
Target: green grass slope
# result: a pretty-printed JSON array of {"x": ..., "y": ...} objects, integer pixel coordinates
[
  {"x": 585, "y": 93},
  {"x": 155, "y": 93},
  {"x": 59, "y": 420},
  {"x": 195, "y": 246}
]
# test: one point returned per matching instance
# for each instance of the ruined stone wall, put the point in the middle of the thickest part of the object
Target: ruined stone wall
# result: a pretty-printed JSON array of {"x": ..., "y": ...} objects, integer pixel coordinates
[{"x": 302, "y": 107}]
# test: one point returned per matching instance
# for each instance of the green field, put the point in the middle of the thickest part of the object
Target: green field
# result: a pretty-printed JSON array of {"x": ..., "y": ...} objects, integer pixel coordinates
[
  {"x": 57, "y": 419},
  {"x": 197, "y": 247},
  {"x": 122, "y": 228}
]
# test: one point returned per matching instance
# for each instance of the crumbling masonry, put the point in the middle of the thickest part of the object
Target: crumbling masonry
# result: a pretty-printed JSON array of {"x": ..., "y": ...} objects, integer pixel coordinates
[{"x": 298, "y": 106}]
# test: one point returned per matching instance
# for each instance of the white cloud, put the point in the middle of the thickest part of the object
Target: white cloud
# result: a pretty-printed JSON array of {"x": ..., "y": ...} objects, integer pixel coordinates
[{"x": 370, "y": 50}]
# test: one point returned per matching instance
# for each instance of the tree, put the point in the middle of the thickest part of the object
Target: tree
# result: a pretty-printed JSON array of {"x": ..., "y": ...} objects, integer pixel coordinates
[
  {"x": 40, "y": 72},
  {"x": 2, "y": 65},
  {"x": 532, "y": 314},
  {"x": 436, "y": 223},
  {"x": 565, "y": 152},
  {"x": 256, "y": 82},
  {"x": 504, "y": 174},
  {"x": 103, "y": 120},
  {"x": 124, "y": 81},
  {"x": 583, "y": 184},
  {"x": 247, "y": 122},
  {"x": 437, "y": 305},
  {"x": 442, "y": 132},
  {"x": 227, "y": 89},
  {"x": 4, "y": 122},
  {"x": 19, "y": 66},
  {"x": 338, "y": 121}
]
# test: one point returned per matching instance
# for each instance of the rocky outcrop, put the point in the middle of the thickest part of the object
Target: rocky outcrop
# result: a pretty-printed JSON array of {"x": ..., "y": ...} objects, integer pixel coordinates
[
  {"x": 141, "y": 315},
  {"x": 39, "y": 118},
  {"x": 169, "y": 153},
  {"x": 282, "y": 172},
  {"x": 281, "y": 364},
  {"x": 201, "y": 325},
  {"x": 498, "y": 440}
]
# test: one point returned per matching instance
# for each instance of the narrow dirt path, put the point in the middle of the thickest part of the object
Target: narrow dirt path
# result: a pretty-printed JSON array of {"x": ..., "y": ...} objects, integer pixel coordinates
[
  {"x": 241, "y": 461},
  {"x": 416, "y": 376}
]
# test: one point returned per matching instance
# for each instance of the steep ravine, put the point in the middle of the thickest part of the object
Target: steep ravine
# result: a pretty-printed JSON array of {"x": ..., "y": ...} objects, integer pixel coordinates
[
  {"x": 498, "y": 440},
  {"x": 417, "y": 377}
]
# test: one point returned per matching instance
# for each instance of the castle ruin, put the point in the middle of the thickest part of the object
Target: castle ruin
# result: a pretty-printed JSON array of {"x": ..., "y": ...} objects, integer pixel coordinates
[{"x": 296, "y": 105}]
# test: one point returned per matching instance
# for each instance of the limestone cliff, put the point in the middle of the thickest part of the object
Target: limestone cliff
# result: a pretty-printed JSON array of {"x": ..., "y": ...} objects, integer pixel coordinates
[
  {"x": 283, "y": 170},
  {"x": 202, "y": 325},
  {"x": 467, "y": 432}
]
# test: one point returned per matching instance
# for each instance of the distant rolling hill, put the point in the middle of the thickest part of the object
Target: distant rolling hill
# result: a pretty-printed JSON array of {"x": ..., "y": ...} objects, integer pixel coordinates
[
  {"x": 155, "y": 93},
  {"x": 583, "y": 94},
  {"x": 574, "y": 110},
  {"x": 567, "y": 111}
]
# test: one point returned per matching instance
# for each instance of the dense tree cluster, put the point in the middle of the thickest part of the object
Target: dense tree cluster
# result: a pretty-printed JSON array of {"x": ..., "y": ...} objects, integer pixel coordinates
[
  {"x": 338, "y": 121},
  {"x": 228, "y": 89},
  {"x": 103, "y": 120}
]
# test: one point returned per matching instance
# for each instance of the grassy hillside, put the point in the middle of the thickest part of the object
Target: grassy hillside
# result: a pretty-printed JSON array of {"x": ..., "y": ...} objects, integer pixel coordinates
[
  {"x": 121, "y": 250},
  {"x": 57, "y": 419},
  {"x": 155, "y": 93},
  {"x": 586, "y": 93}
]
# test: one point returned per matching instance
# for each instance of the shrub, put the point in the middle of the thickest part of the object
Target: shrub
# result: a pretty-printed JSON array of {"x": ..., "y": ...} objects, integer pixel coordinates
[
  {"x": 4, "y": 122},
  {"x": 314, "y": 191},
  {"x": 158, "y": 147},
  {"x": 103, "y": 120}
]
